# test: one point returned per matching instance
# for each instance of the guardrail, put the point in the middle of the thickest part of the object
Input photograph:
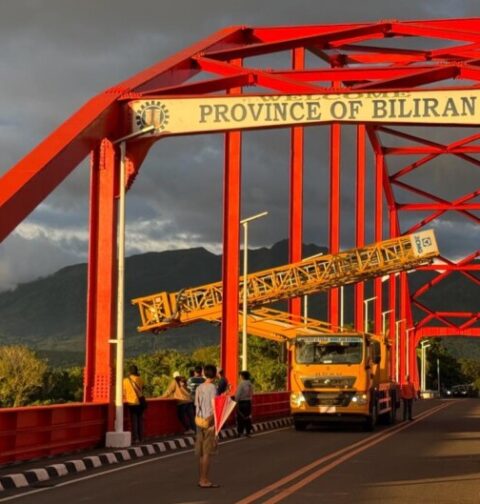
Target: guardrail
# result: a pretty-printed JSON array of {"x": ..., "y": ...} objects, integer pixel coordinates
[{"x": 40, "y": 431}]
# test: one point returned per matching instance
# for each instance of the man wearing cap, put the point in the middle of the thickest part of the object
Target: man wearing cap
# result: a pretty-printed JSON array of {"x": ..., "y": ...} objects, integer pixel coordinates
[
  {"x": 185, "y": 409},
  {"x": 195, "y": 380}
]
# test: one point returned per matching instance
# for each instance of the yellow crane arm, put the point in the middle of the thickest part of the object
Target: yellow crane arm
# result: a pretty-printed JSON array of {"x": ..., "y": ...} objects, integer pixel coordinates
[
  {"x": 281, "y": 326},
  {"x": 163, "y": 310}
]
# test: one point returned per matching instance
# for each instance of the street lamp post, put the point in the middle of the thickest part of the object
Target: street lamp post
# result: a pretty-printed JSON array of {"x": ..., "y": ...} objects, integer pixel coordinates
[
  {"x": 342, "y": 308},
  {"x": 397, "y": 356},
  {"x": 244, "y": 223},
  {"x": 118, "y": 438},
  {"x": 365, "y": 322},
  {"x": 423, "y": 353},
  {"x": 438, "y": 377},
  {"x": 384, "y": 325}
]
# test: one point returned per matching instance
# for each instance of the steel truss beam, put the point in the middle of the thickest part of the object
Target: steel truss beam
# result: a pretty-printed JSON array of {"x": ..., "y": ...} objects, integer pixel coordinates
[{"x": 350, "y": 56}]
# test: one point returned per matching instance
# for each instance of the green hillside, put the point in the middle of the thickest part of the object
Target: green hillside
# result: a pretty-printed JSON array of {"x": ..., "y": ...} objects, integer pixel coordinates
[{"x": 48, "y": 314}]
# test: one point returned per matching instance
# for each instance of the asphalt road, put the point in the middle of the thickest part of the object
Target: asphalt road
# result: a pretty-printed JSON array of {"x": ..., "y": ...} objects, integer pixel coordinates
[{"x": 434, "y": 459}]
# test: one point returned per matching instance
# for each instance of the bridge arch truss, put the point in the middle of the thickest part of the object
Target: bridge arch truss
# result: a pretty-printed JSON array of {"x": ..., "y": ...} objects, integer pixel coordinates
[{"x": 365, "y": 58}]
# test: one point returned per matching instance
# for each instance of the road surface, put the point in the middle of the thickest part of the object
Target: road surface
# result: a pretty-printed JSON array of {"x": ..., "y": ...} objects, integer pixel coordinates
[{"x": 433, "y": 459}]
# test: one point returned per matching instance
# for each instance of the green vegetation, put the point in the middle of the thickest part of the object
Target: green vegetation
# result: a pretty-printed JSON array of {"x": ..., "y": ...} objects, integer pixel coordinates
[
  {"x": 265, "y": 357},
  {"x": 26, "y": 379},
  {"x": 21, "y": 375},
  {"x": 453, "y": 371},
  {"x": 48, "y": 314}
]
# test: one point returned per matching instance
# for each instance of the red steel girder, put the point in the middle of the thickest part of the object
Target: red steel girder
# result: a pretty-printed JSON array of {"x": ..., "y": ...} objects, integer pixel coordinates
[
  {"x": 295, "y": 243},
  {"x": 438, "y": 332},
  {"x": 360, "y": 174},
  {"x": 463, "y": 266},
  {"x": 206, "y": 86},
  {"x": 35, "y": 176},
  {"x": 424, "y": 30},
  {"x": 414, "y": 79},
  {"x": 40, "y": 172},
  {"x": 101, "y": 273},
  {"x": 440, "y": 201},
  {"x": 409, "y": 150},
  {"x": 416, "y": 207},
  {"x": 261, "y": 78},
  {"x": 282, "y": 32},
  {"x": 318, "y": 40},
  {"x": 432, "y": 315},
  {"x": 364, "y": 73},
  {"x": 400, "y": 54}
]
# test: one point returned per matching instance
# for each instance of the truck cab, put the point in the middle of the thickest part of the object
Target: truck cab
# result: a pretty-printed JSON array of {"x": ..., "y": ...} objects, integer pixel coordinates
[{"x": 341, "y": 376}]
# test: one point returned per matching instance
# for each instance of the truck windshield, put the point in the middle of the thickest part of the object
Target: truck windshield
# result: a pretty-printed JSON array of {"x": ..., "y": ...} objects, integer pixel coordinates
[{"x": 329, "y": 350}]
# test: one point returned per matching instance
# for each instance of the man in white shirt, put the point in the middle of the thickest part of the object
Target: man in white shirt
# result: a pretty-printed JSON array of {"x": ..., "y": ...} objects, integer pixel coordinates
[{"x": 206, "y": 443}]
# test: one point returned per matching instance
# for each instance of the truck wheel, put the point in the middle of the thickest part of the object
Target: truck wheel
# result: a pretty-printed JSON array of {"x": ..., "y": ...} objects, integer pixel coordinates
[
  {"x": 300, "y": 426},
  {"x": 371, "y": 420}
]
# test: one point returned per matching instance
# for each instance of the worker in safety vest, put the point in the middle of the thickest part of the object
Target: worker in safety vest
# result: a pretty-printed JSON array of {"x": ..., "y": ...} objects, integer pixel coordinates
[{"x": 408, "y": 394}]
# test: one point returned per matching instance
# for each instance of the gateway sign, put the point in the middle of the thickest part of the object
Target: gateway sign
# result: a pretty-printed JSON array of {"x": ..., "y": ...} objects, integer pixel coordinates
[{"x": 172, "y": 116}]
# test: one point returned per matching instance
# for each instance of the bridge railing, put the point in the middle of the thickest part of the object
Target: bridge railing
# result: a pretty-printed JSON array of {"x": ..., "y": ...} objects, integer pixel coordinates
[{"x": 40, "y": 431}]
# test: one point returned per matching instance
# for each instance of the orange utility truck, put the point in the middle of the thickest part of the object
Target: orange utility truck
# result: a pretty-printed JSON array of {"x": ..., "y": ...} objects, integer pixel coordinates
[{"x": 342, "y": 376}]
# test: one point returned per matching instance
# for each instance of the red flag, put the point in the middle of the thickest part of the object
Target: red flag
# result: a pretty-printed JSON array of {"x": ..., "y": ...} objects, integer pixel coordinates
[{"x": 223, "y": 406}]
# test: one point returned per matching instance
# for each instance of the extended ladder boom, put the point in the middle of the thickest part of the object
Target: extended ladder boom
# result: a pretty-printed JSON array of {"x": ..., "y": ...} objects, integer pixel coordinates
[{"x": 163, "y": 310}]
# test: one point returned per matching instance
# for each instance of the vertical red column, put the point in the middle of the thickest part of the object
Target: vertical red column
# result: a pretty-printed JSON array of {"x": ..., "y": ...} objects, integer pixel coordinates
[
  {"x": 392, "y": 294},
  {"x": 231, "y": 255},
  {"x": 101, "y": 274},
  {"x": 296, "y": 198},
  {"x": 414, "y": 371},
  {"x": 334, "y": 215},
  {"x": 403, "y": 325},
  {"x": 296, "y": 189},
  {"x": 360, "y": 221},
  {"x": 412, "y": 360},
  {"x": 231, "y": 252},
  {"x": 377, "y": 283}
]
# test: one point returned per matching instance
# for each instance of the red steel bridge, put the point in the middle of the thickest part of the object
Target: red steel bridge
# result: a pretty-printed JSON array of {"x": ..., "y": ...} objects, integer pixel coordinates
[{"x": 398, "y": 83}]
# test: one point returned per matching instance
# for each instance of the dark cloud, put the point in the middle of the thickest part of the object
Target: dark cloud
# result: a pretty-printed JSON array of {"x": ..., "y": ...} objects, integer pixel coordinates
[{"x": 56, "y": 54}]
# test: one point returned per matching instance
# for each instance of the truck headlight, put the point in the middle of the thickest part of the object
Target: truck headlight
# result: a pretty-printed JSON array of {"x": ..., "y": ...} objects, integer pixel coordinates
[
  {"x": 297, "y": 399},
  {"x": 360, "y": 399}
]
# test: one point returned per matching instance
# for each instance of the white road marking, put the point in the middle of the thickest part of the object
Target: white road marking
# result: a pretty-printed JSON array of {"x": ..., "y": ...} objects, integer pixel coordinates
[{"x": 123, "y": 468}]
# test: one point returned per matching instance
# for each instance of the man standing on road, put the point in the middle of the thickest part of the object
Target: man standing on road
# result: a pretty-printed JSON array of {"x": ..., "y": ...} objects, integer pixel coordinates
[
  {"x": 206, "y": 444},
  {"x": 243, "y": 397},
  {"x": 407, "y": 393}
]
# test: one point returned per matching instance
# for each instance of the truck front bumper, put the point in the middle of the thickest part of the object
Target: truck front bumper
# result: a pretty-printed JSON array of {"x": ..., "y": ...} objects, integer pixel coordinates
[{"x": 307, "y": 417}]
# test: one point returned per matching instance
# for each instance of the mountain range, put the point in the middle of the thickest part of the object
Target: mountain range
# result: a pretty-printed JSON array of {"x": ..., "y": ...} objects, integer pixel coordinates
[{"x": 48, "y": 314}]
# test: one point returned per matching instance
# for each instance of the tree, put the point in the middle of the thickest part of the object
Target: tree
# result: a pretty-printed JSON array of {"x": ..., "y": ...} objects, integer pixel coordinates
[
  {"x": 450, "y": 369},
  {"x": 21, "y": 374},
  {"x": 266, "y": 364},
  {"x": 471, "y": 370},
  {"x": 61, "y": 385}
]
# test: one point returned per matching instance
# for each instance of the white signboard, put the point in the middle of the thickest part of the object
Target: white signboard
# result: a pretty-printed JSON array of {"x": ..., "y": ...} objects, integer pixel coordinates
[
  {"x": 424, "y": 243},
  {"x": 174, "y": 116}
]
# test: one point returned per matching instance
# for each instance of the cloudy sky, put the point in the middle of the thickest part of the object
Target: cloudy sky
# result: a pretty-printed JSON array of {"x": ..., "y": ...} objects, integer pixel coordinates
[{"x": 56, "y": 54}]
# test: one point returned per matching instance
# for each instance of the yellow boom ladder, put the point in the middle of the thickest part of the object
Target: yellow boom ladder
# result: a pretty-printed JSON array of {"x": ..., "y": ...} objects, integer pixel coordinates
[{"x": 163, "y": 310}]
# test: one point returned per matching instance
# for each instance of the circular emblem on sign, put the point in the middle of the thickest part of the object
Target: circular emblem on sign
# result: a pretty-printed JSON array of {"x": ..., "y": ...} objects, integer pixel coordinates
[{"x": 152, "y": 113}]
